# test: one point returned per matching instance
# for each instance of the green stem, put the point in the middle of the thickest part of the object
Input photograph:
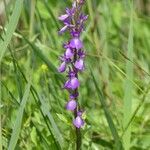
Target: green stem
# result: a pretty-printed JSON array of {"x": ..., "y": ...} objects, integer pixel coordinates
[
  {"x": 78, "y": 139},
  {"x": 0, "y": 115},
  {"x": 32, "y": 12},
  {"x": 0, "y": 134}
]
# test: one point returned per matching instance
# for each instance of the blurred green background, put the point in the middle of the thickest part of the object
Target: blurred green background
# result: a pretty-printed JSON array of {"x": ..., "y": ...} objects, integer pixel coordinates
[{"x": 117, "y": 44}]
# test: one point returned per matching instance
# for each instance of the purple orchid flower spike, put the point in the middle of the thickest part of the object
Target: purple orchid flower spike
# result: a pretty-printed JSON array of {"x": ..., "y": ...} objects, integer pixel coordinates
[
  {"x": 72, "y": 60},
  {"x": 79, "y": 64}
]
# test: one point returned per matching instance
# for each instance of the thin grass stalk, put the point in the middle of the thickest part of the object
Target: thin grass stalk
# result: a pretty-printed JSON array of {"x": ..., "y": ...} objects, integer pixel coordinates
[
  {"x": 113, "y": 129},
  {"x": 6, "y": 10},
  {"x": 32, "y": 12},
  {"x": 36, "y": 97},
  {"x": 136, "y": 110},
  {"x": 11, "y": 26},
  {"x": 30, "y": 62},
  {"x": 127, "y": 108},
  {"x": 0, "y": 110},
  {"x": 1, "y": 143},
  {"x": 37, "y": 100}
]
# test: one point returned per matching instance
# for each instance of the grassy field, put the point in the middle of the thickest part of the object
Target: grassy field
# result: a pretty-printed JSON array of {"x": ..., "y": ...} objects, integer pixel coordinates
[{"x": 115, "y": 86}]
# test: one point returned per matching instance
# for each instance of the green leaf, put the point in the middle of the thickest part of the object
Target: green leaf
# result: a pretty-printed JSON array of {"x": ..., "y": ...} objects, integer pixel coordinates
[
  {"x": 44, "y": 58},
  {"x": 127, "y": 107},
  {"x": 63, "y": 118},
  {"x": 55, "y": 129},
  {"x": 18, "y": 121},
  {"x": 51, "y": 13},
  {"x": 10, "y": 27},
  {"x": 33, "y": 136},
  {"x": 118, "y": 144},
  {"x": 38, "y": 101}
]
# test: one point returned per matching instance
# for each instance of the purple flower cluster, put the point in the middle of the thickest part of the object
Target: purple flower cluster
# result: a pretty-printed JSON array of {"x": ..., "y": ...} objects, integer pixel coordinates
[{"x": 72, "y": 60}]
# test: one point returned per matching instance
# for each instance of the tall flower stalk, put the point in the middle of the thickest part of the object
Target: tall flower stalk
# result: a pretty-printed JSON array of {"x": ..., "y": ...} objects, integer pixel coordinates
[{"x": 72, "y": 61}]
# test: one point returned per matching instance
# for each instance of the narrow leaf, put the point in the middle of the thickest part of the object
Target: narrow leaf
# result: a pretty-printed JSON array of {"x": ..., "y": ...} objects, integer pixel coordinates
[
  {"x": 18, "y": 122},
  {"x": 127, "y": 107},
  {"x": 10, "y": 27},
  {"x": 44, "y": 58},
  {"x": 55, "y": 129},
  {"x": 118, "y": 144}
]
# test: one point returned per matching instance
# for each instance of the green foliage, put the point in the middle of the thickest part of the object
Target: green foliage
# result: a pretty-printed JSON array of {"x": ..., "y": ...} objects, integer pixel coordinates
[
  {"x": 118, "y": 144},
  {"x": 114, "y": 87},
  {"x": 128, "y": 85},
  {"x": 10, "y": 27},
  {"x": 18, "y": 122}
]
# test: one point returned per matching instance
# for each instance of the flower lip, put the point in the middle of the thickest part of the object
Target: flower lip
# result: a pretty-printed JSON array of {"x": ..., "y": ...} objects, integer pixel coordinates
[
  {"x": 62, "y": 30},
  {"x": 67, "y": 85},
  {"x": 69, "y": 53},
  {"x": 78, "y": 122},
  {"x": 62, "y": 67},
  {"x": 74, "y": 83},
  {"x": 71, "y": 105},
  {"x": 76, "y": 43},
  {"x": 63, "y": 17},
  {"x": 79, "y": 64}
]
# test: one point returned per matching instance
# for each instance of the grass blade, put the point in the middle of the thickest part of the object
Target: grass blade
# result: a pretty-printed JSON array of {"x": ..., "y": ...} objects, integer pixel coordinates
[
  {"x": 47, "y": 113},
  {"x": 11, "y": 26},
  {"x": 51, "y": 13},
  {"x": 37, "y": 100},
  {"x": 18, "y": 122},
  {"x": 118, "y": 144},
  {"x": 44, "y": 58},
  {"x": 0, "y": 111},
  {"x": 17, "y": 76},
  {"x": 54, "y": 142},
  {"x": 127, "y": 107},
  {"x": 136, "y": 110}
]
